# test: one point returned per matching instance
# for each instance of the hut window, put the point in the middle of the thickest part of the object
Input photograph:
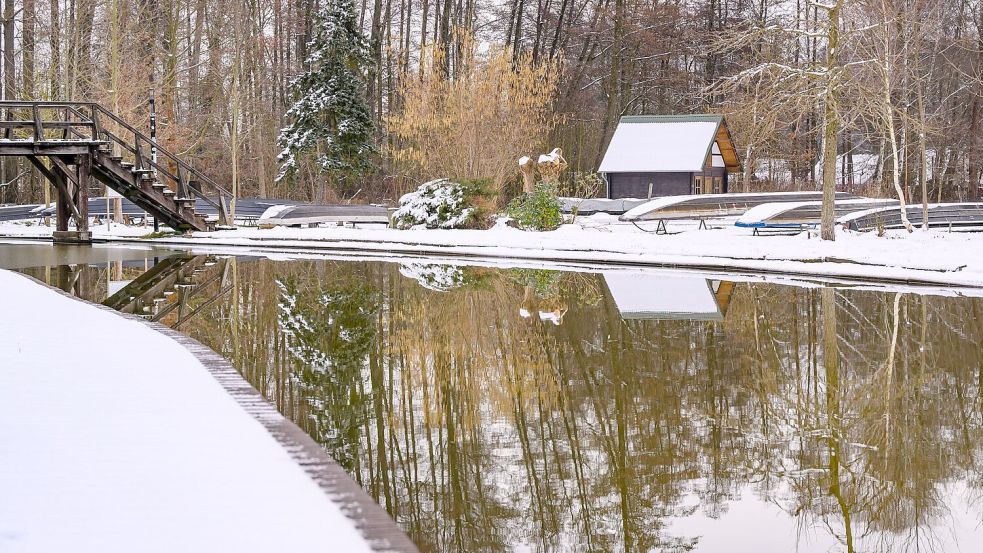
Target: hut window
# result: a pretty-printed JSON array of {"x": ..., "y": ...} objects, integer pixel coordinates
[
  {"x": 718, "y": 185},
  {"x": 698, "y": 184}
]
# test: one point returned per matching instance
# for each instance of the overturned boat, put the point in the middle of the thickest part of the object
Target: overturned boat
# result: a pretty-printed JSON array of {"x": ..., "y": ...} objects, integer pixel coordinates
[
  {"x": 708, "y": 206},
  {"x": 954, "y": 216},
  {"x": 591, "y": 206},
  {"x": 800, "y": 215},
  {"x": 297, "y": 215}
]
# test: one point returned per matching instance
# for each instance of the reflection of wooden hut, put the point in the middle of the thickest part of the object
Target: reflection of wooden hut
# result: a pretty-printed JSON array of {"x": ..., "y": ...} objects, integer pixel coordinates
[
  {"x": 669, "y": 155},
  {"x": 658, "y": 297}
]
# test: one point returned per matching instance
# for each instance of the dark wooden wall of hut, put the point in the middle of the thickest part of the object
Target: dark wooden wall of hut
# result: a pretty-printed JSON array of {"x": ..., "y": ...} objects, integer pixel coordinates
[{"x": 636, "y": 185}]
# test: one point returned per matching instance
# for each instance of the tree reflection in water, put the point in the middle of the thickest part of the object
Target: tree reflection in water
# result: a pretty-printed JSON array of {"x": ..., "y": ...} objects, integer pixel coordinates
[{"x": 848, "y": 419}]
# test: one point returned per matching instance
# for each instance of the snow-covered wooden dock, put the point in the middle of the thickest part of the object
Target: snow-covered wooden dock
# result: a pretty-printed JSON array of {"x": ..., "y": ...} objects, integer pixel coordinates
[{"x": 120, "y": 435}]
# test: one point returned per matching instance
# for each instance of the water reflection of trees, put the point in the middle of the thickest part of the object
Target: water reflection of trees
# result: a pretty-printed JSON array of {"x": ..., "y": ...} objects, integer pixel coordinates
[{"x": 479, "y": 429}]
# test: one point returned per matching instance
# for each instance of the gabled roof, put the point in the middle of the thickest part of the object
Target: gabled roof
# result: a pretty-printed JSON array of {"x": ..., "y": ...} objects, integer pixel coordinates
[{"x": 668, "y": 143}]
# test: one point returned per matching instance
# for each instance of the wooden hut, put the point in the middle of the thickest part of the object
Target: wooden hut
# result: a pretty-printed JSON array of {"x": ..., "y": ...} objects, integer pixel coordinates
[{"x": 669, "y": 155}]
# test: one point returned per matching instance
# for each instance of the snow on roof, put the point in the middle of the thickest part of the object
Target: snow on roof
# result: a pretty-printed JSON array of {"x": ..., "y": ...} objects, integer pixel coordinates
[
  {"x": 660, "y": 144},
  {"x": 643, "y": 296}
]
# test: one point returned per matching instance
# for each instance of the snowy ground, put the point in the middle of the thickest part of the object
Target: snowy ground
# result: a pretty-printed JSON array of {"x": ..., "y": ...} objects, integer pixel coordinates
[
  {"x": 113, "y": 437},
  {"x": 37, "y": 229},
  {"x": 928, "y": 257}
]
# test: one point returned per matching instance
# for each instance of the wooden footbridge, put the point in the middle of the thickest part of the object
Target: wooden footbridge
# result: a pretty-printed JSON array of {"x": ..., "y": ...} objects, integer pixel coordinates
[{"x": 85, "y": 143}]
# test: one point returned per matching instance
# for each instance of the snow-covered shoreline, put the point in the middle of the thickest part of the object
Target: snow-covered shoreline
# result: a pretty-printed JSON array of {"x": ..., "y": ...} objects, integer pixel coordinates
[
  {"x": 116, "y": 435},
  {"x": 935, "y": 257}
]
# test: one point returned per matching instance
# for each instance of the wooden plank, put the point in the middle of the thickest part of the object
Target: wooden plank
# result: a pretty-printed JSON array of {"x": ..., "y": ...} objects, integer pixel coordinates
[
  {"x": 25, "y": 124},
  {"x": 32, "y": 149}
]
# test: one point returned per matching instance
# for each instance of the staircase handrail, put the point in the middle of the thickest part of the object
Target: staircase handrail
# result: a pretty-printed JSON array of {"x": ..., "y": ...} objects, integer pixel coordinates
[
  {"x": 92, "y": 122},
  {"x": 167, "y": 153}
]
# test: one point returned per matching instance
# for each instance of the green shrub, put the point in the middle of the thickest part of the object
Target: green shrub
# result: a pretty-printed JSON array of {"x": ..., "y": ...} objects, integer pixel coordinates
[{"x": 537, "y": 210}]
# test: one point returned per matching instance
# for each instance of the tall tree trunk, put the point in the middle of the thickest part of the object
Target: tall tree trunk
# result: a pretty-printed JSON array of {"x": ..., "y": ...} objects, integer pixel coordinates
[
  {"x": 975, "y": 140},
  {"x": 831, "y": 125},
  {"x": 9, "y": 84},
  {"x": 374, "y": 84},
  {"x": 443, "y": 43},
  {"x": 9, "y": 75},
  {"x": 168, "y": 18},
  {"x": 614, "y": 100},
  {"x": 28, "y": 47},
  {"x": 975, "y": 147},
  {"x": 888, "y": 116}
]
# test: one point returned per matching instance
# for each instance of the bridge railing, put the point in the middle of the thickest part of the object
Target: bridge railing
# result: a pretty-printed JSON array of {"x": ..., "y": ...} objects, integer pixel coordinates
[{"x": 88, "y": 121}]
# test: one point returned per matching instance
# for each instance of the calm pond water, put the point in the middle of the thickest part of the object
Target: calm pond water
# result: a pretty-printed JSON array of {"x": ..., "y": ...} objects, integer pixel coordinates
[{"x": 494, "y": 409}]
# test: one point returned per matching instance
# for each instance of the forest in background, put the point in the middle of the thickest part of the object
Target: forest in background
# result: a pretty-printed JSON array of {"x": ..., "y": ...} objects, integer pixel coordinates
[{"x": 463, "y": 88}]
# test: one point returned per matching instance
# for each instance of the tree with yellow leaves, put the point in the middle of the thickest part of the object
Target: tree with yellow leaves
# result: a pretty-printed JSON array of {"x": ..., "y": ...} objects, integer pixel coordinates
[{"x": 474, "y": 123}]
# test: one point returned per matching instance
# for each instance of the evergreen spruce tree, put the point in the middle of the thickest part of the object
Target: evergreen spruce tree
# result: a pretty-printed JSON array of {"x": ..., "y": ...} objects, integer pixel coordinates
[{"x": 329, "y": 122}]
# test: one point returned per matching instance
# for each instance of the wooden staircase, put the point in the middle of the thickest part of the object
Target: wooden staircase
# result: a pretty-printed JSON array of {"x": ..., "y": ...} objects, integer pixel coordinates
[
  {"x": 183, "y": 285},
  {"x": 84, "y": 142}
]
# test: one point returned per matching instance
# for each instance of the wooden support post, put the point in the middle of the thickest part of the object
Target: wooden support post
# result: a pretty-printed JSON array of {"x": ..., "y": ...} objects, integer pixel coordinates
[
  {"x": 223, "y": 211},
  {"x": 10, "y": 117},
  {"x": 82, "y": 191},
  {"x": 182, "y": 187},
  {"x": 62, "y": 204},
  {"x": 73, "y": 199},
  {"x": 96, "y": 126},
  {"x": 138, "y": 155}
]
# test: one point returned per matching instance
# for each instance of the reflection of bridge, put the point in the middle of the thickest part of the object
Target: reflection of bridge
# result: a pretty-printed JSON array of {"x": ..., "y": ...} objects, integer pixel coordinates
[
  {"x": 81, "y": 144},
  {"x": 171, "y": 286}
]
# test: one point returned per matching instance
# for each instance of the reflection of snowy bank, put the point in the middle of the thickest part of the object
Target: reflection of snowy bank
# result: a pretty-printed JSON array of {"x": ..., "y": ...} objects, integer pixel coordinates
[
  {"x": 101, "y": 451},
  {"x": 936, "y": 256}
]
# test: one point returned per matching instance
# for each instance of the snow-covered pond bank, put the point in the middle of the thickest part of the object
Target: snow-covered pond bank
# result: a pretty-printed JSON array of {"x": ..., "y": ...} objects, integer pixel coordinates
[
  {"x": 922, "y": 257},
  {"x": 115, "y": 436}
]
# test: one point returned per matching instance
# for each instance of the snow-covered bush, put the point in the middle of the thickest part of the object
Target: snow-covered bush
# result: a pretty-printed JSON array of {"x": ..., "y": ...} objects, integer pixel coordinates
[
  {"x": 439, "y": 203},
  {"x": 537, "y": 210}
]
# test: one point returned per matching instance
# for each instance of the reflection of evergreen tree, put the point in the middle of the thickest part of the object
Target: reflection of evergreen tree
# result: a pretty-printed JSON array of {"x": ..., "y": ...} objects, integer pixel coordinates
[{"x": 330, "y": 335}]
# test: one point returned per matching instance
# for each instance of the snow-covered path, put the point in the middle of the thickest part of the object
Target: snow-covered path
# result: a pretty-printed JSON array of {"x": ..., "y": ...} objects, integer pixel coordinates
[{"x": 115, "y": 437}]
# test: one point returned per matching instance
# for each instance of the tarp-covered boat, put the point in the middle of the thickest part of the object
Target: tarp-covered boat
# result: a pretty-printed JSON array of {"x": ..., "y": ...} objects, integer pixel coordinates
[
  {"x": 705, "y": 206},
  {"x": 797, "y": 215}
]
